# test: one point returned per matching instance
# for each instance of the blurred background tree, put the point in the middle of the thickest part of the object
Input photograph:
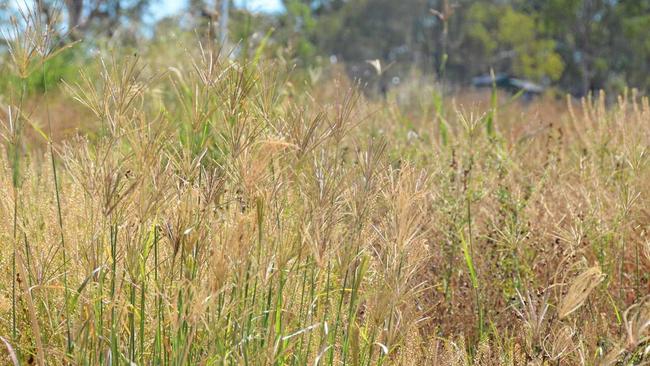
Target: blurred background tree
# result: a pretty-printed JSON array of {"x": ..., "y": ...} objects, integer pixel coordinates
[{"x": 576, "y": 46}]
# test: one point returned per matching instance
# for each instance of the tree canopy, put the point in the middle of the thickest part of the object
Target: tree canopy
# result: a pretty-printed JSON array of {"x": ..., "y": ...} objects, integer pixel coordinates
[
  {"x": 575, "y": 45},
  {"x": 578, "y": 45}
]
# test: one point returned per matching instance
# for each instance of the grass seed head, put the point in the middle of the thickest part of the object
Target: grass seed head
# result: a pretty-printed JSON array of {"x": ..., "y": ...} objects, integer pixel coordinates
[{"x": 579, "y": 290}]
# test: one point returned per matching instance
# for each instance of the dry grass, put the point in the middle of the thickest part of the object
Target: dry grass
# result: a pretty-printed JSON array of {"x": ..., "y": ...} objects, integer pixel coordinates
[{"x": 224, "y": 213}]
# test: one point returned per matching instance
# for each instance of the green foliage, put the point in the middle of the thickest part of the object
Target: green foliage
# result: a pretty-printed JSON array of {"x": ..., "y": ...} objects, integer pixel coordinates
[
  {"x": 63, "y": 66},
  {"x": 578, "y": 45},
  {"x": 512, "y": 40},
  {"x": 516, "y": 28},
  {"x": 478, "y": 26},
  {"x": 298, "y": 26},
  {"x": 301, "y": 14}
]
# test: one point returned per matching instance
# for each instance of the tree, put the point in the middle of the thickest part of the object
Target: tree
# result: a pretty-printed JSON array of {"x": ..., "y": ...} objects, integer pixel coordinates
[
  {"x": 582, "y": 31},
  {"x": 632, "y": 43},
  {"x": 297, "y": 27},
  {"x": 92, "y": 16}
]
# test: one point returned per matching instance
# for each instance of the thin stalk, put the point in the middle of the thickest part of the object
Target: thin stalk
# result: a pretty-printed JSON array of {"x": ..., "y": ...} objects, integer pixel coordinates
[
  {"x": 27, "y": 256},
  {"x": 477, "y": 291},
  {"x": 327, "y": 295},
  {"x": 15, "y": 182},
  {"x": 470, "y": 244},
  {"x": 638, "y": 272},
  {"x": 132, "y": 323},
  {"x": 158, "y": 337},
  {"x": 114, "y": 339},
  {"x": 17, "y": 261},
  {"x": 312, "y": 296},
  {"x": 338, "y": 317},
  {"x": 356, "y": 281},
  {"x": 33, "y": 318},
  {"x": 301, "y": 315},
  {"x": 13, "y": 270},
  {"x": 143, "y": 288},
  {"x": 371, "y": 343},
  {"x": 59, "y": 215},
  {"x": 19, "y": 268},
  {"x": 100, "y": 305}
]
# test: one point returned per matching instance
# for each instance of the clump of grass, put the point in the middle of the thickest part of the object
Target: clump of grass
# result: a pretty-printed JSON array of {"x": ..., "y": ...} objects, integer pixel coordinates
[{"x": 221, "y": 213}]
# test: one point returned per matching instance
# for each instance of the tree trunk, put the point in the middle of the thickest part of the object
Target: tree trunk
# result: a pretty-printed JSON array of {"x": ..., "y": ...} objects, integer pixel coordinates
[
  {"x": 223, "y": 22},
  {"x": 75, "y": 8}
]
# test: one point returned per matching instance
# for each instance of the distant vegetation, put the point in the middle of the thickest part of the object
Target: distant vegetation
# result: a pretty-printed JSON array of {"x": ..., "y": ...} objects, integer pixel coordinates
[{"x": 577, "y": 46}]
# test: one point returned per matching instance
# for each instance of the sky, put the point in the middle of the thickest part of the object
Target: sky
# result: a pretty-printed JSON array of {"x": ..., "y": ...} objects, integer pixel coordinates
[
  {"x": 268, "y": 6},
  {"x": 169, "y": 7},
  {"x": 163, "y": 8}
]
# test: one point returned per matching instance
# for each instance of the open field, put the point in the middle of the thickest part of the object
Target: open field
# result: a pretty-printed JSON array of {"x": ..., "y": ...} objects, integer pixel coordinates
[{"x": 195, "y": 210}]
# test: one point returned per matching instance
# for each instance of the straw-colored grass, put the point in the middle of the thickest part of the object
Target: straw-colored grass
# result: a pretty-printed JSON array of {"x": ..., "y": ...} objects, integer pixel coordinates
[{"x": 214, "y": 212}]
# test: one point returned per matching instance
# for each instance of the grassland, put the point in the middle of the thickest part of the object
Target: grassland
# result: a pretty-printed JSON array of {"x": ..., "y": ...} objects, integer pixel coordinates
[{"x": 207, "y": 211}]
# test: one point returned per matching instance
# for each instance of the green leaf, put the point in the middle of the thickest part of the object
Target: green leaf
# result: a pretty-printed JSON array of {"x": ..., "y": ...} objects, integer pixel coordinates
[{"x": 468, "y": 260}]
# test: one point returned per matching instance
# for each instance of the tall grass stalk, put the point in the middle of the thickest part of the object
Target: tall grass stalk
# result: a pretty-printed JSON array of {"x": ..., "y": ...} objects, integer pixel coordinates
[{"x": 64, "y": 256}]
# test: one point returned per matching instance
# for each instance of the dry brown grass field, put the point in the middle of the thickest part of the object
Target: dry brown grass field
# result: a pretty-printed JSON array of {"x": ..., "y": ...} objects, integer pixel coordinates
[{"x": 197, "y": 210}]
